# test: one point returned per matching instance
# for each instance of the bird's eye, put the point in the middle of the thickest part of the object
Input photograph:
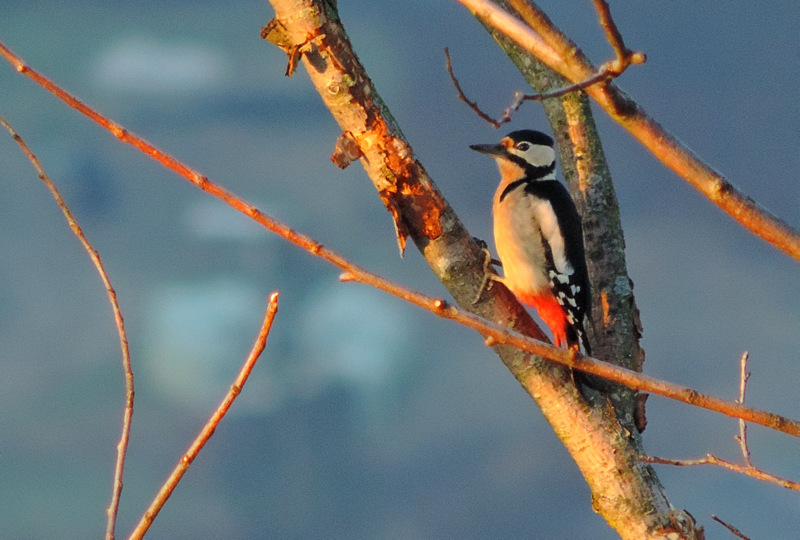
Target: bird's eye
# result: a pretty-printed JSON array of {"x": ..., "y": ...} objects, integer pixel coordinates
[{"x": 523, "y": 146}]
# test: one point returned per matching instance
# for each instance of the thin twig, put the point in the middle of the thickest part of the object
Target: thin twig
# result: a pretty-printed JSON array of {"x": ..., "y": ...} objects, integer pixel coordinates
[
  {"x": 497, "y": 333},
  {"x": 746, "y": 469},
  {"x": 734, "y": 531},
  {"x": 208, "y": 430},
  {"x": 741, "y": 469},
  {"x": 744, "y": 375},
  {"x": 472, "y": 105},
  {"x": 624, "y": 58},
  {"x": 613, "y": 35},
  {"x": 122, "y": 446},
  {"x": 606, "y": 72}
]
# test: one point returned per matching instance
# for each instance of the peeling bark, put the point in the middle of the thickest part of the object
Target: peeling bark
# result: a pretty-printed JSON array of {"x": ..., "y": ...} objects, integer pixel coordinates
[{"x": 624, "y": 490}]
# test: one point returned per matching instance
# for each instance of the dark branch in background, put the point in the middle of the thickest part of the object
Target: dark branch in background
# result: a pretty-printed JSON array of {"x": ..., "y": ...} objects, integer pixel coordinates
[
  {"x": 463, "y": 97},
  {"x": 542, "y": 39},
  {"x": 210, "y": 426},
  {"x": 734, "y": 531},
  {"x": 122, "y": 446},
  {"x": 616, "y": 328}
]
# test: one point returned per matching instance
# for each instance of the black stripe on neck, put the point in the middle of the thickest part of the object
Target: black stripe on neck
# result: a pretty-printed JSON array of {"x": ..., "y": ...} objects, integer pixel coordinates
[{"x": 532, "y": 174}]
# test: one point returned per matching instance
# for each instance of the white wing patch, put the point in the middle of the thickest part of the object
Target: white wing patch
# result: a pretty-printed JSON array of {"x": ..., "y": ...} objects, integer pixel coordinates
[{"x": 551, "y": 233}]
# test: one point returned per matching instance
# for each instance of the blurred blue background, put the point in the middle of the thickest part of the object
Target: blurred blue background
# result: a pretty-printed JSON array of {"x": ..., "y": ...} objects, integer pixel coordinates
[{"x": 366, "y": 417}]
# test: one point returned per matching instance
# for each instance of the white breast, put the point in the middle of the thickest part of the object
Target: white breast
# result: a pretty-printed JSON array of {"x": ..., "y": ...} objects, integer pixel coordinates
[{"x": 522, "y": 223}]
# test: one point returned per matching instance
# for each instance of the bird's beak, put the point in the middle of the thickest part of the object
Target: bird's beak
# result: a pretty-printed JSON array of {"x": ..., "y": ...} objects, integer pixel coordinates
[{"x": 489, "y": 149}]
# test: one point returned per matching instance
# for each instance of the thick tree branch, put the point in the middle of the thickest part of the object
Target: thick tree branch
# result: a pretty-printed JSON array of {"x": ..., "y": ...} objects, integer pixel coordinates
[
  {"x": 615, "y": 327},
  {"x": 632, "y": 503},
  {"x": 542, "y": 39}
]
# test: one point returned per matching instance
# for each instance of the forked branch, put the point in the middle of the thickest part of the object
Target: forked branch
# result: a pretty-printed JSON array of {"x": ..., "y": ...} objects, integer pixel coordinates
[
  {"x": 541, "y": 38},
  {"x": 747, "y": 468},
  {"x": 608, "y": 71}
]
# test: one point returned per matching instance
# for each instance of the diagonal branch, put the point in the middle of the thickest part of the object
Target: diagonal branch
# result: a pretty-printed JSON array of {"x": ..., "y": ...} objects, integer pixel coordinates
[
  {"x": 211, "y": 425},
  {"x": 494, "y": 333},
  {"x": 541, "y": 38}
]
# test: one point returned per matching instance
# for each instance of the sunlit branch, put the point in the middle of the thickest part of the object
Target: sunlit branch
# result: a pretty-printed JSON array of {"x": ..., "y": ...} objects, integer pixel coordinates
[
  {"x": 208, "y": 430},
  {"x": 498, "y": 333}
]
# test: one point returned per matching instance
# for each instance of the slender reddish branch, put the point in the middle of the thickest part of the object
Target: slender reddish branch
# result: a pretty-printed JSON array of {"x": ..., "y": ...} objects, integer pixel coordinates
[
  {"x": 548, "y": 43},
  {"x": 122, "y": 446},
  {"x": 498, "y": 333},
  {"x": 208, "y": 430}
]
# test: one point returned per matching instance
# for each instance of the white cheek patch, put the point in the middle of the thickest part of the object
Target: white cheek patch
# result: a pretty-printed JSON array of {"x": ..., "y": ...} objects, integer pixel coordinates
[{"x": 540, "y": 156}]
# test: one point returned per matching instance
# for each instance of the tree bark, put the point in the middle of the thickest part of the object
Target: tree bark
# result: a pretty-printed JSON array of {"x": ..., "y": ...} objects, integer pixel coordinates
[{"x": 624, "y": 490}]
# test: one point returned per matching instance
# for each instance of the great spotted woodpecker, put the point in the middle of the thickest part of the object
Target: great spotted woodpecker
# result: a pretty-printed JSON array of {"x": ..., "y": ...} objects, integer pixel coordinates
[{"x": 539, "y": 237}]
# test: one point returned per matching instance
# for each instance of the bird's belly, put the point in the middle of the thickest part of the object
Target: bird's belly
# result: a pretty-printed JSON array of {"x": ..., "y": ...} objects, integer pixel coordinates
[{"x": 519, "y": 246}]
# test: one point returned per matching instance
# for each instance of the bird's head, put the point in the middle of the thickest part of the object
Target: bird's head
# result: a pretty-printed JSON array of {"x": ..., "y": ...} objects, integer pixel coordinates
[{"x": 522, "y": 153}]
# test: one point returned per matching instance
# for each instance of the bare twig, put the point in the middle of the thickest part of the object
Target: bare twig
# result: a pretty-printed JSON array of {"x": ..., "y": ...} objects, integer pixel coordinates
[
  {"x": 472, "y": 105},
  {"x": 548, "y": 43},
  {"x": 208, "y": 430},
  {"x": 734, "y": 531},
  {"x": 744, "y": 375},
  {"x": 606, "y": 72},
  {"x": 741, "y": 469},
  {"x": 122, "y": 446},
  {"x": 747, "y": 468},
  {"x": 625, "y": 56}
]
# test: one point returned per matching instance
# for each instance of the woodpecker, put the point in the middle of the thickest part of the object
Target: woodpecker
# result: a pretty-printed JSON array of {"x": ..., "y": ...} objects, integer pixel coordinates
[{"x": 539, "y": 236}]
